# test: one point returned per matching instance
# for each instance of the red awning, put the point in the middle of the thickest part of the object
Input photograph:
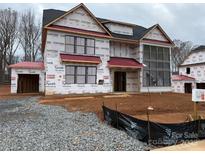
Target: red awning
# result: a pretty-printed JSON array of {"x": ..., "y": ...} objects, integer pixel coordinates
[
  {"x": 118, "y": 62},
  {"x": 182, "y": 78},
  {"x": 80, "y": 59},
  {"x": 28, "y": 65}
]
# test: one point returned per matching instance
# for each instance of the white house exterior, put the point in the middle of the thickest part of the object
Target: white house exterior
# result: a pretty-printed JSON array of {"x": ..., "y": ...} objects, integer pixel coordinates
[
  {"x": 86, "y": 54},
  {"x": 27, "y": 74},
  {"x": 192, "y": 70}
]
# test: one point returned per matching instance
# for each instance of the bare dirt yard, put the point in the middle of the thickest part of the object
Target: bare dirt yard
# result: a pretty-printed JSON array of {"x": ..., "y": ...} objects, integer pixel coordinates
[
  {"x": 168, "y": 107},
  {"x": 5, "y": 93},
  {"x": 4, "y": 90}
]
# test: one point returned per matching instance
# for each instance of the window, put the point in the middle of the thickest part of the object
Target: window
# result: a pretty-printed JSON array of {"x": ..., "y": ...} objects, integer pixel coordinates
[
  {"x": 91, "y": 76},
  {"x": 188, "y": 70},
  {"x": 90, "y": 46},
  {"x": 80, "y": 75},
  {"x": 79, "y": 45},
  {"x": 70, "y": 74},
  {"x": 157, "y": 70},
  {"x": 69, "y": 44}
]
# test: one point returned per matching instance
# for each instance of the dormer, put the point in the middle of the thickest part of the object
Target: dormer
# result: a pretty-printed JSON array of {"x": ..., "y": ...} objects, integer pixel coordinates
[{"x": 120, "y": 28}]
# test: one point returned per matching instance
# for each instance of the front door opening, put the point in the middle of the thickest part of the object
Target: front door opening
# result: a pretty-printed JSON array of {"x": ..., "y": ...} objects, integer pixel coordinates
[
  {"x": 28, "y": 83},
  {"x": 120, "y": 81},
  {"x": 188, "y": 87}
]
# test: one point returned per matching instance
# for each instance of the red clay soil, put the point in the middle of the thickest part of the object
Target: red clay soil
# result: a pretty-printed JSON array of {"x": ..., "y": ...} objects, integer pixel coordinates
[
  {"x": 168, "y": 107},
  {"x": 5, "y": 93},
  {"x": 4, "y": 90}
]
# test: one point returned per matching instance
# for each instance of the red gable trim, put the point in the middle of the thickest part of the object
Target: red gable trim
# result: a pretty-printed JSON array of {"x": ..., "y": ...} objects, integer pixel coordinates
[
  {"x": 28, "y": 65},
  {"x": 182, "y": 78},
  {"x": 77, "y": 31},
  {"x": 118, "y": 62},
  {"x": 80, "y": 59}
]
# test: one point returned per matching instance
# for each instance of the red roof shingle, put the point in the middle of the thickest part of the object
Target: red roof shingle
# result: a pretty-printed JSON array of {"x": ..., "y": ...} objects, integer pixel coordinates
[
  {"x": 182, "y": 78},
  {"x": 80, "y": 58},
  {"x": 28, "y": 65},
  {"x": 118, "y": 62}
]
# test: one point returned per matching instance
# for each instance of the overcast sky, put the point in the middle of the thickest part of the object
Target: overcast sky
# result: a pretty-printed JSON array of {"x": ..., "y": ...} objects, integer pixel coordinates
[{"x": 180, "y": 21}]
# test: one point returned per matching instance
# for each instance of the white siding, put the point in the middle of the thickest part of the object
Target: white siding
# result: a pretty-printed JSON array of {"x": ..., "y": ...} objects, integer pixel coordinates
[
  {"x": 132, "y": 81},
  {"x": 196, "y": 71},
  {"x": 156, "y": 89},
  {"x": 124, "y": 50},
  {"x": 120, "y": 29},
  {"x": 55, "y": 69},
  {"x": 14, "y": 78},
  {"x": 197, "y": 57},
  {"x": 80, "y": 19},
  {"x": 178, "y": 86},
  {"x": 155, "y": 34}
]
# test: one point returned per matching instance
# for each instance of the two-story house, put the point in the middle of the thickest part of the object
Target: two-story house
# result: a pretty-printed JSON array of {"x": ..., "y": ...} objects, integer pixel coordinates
[
  {"x": 191, "y": 72},
  {"x": 87, "y": 54}
]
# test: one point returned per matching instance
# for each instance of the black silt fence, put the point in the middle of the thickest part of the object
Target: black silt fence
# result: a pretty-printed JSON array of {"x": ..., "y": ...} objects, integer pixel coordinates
[{"x": 160, "y": 134}]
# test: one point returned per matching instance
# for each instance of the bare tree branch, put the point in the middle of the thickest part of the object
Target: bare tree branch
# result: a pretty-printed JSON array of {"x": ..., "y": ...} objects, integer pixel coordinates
[{"x": 30, "y": 33}]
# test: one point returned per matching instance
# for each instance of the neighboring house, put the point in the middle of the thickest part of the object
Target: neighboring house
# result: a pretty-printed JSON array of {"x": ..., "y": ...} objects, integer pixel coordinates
[
  {"x": 191, "y": 72},
  {"x": 86, "y": 54}
]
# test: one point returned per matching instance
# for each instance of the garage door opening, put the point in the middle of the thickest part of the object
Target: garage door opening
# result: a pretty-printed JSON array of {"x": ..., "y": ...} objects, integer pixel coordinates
[{"x": 28, "y": 83}]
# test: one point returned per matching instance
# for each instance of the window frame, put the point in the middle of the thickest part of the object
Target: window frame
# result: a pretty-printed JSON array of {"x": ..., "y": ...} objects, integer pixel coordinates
[
  {"x": 76, "y": 45},
  {"x": 86, "y": 74},
  {"x": 188, "y": 70},
  {"x": 66, "y": 74},
  {"x": 86, "y": 40},
  {"x": 77, "y": 75},
  {"x": 70, "y": 44},
  {"x": 163, "y": 62}
]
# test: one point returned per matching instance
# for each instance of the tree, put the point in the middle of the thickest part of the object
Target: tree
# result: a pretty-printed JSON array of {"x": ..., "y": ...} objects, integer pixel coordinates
[
  {"x": 8, "y": 39},
  {"x": 30, "y": 32},
  {"x": 179, "y": 53}
]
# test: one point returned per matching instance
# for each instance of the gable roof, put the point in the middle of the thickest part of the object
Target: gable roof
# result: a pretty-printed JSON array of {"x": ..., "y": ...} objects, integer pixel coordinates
[
  {"x": 51, "y": 15},
  {"x": 197, "y": 49},
  {"x": 161, "y": 30},
  {"x": 73, "y": 9}
]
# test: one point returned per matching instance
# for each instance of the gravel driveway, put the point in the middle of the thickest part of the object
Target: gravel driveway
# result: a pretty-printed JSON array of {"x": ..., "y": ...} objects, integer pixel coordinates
[{"x": 27, "y": 125}]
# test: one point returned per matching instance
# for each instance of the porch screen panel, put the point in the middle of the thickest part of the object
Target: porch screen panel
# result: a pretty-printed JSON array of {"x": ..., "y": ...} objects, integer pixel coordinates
[{"x": 157, "y": 70}]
